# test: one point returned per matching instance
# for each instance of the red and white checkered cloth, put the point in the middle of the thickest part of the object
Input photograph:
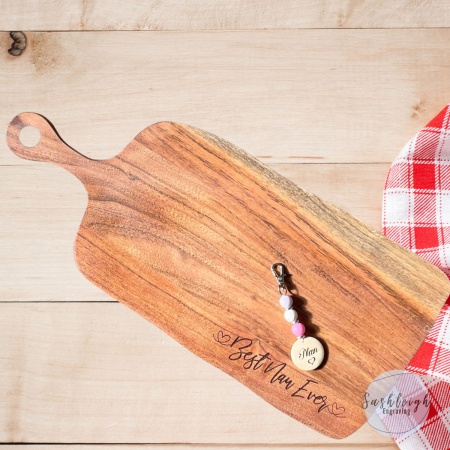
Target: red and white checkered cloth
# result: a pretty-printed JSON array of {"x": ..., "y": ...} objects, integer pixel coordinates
[{"x": 416, "y": 214}]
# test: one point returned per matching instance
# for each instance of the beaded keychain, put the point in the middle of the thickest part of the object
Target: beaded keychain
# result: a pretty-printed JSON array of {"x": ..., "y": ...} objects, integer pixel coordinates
[{"x": 307, "y": 353}]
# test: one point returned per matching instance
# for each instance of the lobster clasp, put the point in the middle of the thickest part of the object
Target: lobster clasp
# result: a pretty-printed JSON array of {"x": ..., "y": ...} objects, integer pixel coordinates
[{"x": 279, "y": 271}]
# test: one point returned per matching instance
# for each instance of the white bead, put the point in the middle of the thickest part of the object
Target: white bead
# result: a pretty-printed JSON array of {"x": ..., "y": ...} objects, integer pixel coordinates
[{"x": 291, "y": 315}]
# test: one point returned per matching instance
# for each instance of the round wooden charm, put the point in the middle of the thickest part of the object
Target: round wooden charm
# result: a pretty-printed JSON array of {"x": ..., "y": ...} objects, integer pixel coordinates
[{"x": 307, "y": 353}]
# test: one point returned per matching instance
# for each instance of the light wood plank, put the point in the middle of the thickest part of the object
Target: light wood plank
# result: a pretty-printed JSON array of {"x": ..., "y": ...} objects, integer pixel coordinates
[
  {"x": 41, "y": 207},
  {"x": 99, "y": 373},
  {"x": 365, "y": 446},
  {"x": 284, "y": 96},
  {"x": 221, "y": 14}
]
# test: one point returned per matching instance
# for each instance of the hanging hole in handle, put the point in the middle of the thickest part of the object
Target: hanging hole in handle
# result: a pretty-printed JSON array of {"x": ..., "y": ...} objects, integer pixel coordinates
[{"x": 29, "y": 136}]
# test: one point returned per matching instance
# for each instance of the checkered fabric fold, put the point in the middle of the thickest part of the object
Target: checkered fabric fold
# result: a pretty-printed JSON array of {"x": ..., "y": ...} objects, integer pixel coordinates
[{"x": 416, "y": 214}]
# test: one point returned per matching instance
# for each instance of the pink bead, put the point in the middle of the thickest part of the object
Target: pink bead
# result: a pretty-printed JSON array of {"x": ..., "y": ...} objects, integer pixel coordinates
[{"x": 298, "y": 329}]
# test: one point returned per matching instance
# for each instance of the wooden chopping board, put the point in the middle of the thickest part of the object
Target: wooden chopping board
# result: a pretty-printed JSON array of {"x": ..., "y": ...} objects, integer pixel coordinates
[{"x": 183, "y": 228}]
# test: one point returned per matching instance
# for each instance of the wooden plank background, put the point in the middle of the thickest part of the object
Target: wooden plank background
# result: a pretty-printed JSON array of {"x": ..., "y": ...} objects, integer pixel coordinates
[
  {"x": 325, "y": 93},
  {"x": 221, "y": 14}
]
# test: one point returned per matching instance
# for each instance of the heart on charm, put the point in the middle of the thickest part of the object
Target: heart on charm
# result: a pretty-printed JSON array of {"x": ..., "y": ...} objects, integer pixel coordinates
[{"x": 307, "y": 353}]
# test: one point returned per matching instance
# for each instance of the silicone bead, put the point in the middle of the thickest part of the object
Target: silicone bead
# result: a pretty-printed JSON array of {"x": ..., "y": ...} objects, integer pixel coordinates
[
  {"x": 291, "y": 315},
  {"x": 298, "y": 329},
  {"x": 286, "y": 301}
]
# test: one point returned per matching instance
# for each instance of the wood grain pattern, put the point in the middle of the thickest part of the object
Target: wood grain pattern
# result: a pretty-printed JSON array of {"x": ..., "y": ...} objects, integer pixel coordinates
[
  {"x": 180, "y": 221},
  {"x": 99, "y": 373},
  {"x": 193, "y": 447},
  {"x": 43, "y": 223},
  {"x": 220, "y": 15},
  {"x": 354, "y": 96},
  {"x": 376, "y": 88}
]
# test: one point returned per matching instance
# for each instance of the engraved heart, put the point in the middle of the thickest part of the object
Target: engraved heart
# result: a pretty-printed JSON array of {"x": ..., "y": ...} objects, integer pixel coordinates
[
  {"x": 311, "y": 360},
  {"x": 221, "y": 337},
  {"x": 337, "y": 410}
]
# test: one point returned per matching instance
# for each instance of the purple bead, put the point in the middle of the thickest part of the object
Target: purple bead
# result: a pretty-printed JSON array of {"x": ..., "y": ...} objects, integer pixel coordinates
[
  {"x": 286, "y": 301},
  {"x": 298, "y": 329}
]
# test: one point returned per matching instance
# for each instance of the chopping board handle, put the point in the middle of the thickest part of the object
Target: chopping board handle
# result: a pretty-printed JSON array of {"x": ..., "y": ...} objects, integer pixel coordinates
[{"x": 50, "y": 148}]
